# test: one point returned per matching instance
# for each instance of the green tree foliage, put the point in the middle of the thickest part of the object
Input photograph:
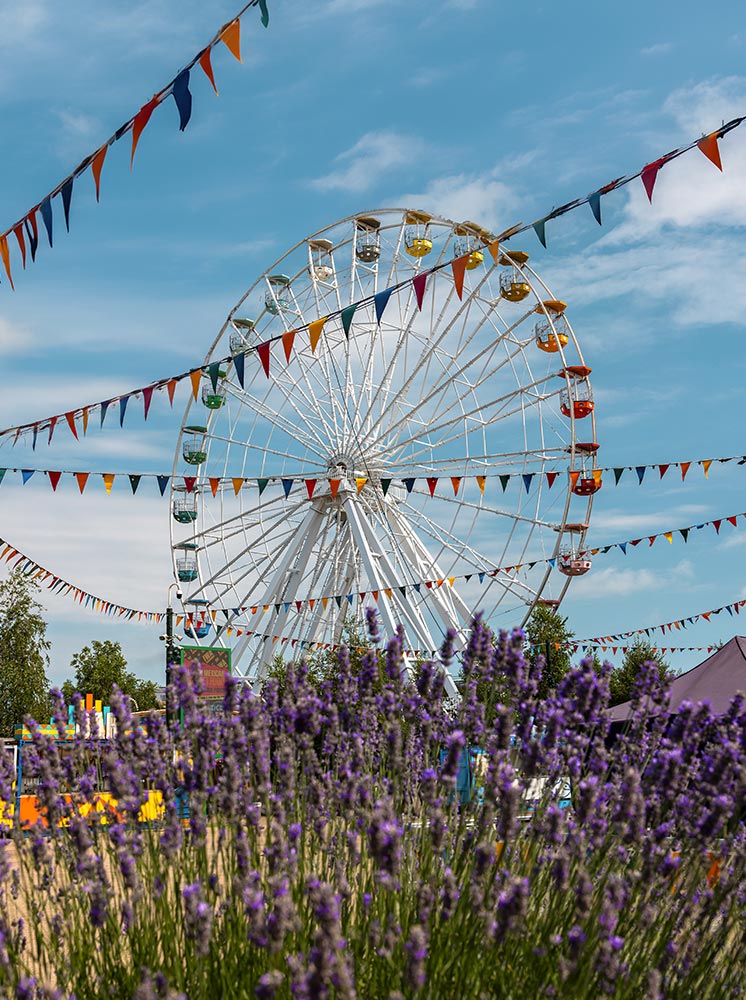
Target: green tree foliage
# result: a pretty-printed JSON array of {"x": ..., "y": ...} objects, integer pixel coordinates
[
  {"x": 99, "y": 667},
  {"x": 24, "y": 656},
  {"x": 622, "y": 680},
  {"x": 546, "y": 629}
]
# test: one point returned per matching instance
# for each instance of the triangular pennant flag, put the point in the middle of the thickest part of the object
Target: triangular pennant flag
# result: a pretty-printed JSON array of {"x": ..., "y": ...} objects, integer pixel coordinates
[
  {"x": 527, "y": 480},
  {"x": 649, "y": 175},
  {"x": 334, "y": 486},
  {"x": 97, "y": 165},
  {"x": 189, "y": 482},
  {"x": 134, "y": 483},
  {"x": 481, "y": 480},
  {"x": 70, "y": 418},
  {"x": 265, "y": 12},
  {"x": 640, "y": 470},
  {"x": 122, "y": 409},
  {"x": 287, "y": 485},
  {"x": 360, "y": 481},
  {"x": 324, "y": 602},
  {"x": 238, "y": 365},
  {"x": 205, "y": 61},
  {"x": 262, "y": 484},
  {"x": 34, "y": 435},
  {"x": 706, "y": 467},
  {"x": 594, "y": 200},
  {"x": 66, "y": 191},
  {"x": 574, "y": 476},
  {"x": 651, "y": 539},
  {"x": 684, "y": 470},
  {"x": 617, "y": 476},
  {"x": 237, "y": 484},
  {"x": 5, "y": 254},
  {"x": 494, "y": 249},
  {"x": 380, "y": 301},
  {"x": 18, "y": 232},
  {"x": 347, "y": 313},
  {"x": 539, "y": 228},
  {"x": 213, "y": 370},
  {"x": 669, "y": 536},
  {"x": 708, "y": 144},
  {"x": 26, "y": 474},
  {"x": 52, "y": 425},
  {"x": 288, "y": 339},
  {"x": 32, "y": 232},
  {"x": 716, "y": 526},
  {"x": 147, "y": 396},
  {"x": 162, "y": 483},
  {"x": 551, "y": 476},
  {"x": 732, "y": 519},
  {"x": 597, "y": 474},
  {"x": 263, "y": 350},
  {"x": 314, "y": 332},
  {"x": 230, "y": 36},
  {"x": 140, "y": 121},
  {"x": 183, "y": 98},
  {"x": 504, "y": 480},
  {"x": 46, "y": 217},
  {"x": 82, "y": 478},
  {"x": 171, "y": 389},
  {"x": 458, "y": 267},
  {"x": 374, "y": 595},
  {"x": 663, "y": 469},
  {"x": 310, "y": 487},
  {"x": 214, "y": 484},
  {"x": 85, "y": 420},
  {"x": 419, "y": 287},
  {"x": 623, "y": 547},
  {"x": 456, "y": 483},
  {"x": 385, "y": 483},
  {"x": 54, "y": 478},
  {"x": 432, "y": 482},
  {"x": 108, "y": 478},
  {"x": 195, "y": 378}
]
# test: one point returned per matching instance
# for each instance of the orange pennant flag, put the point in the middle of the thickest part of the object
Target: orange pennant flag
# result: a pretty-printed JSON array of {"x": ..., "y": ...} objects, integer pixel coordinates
[
  {"x": 494, "y": 249},
  {"x": 214, "y": 483},
  {"x": 334, "y": 485},
  {"x": 314, "y": 332},
  {"x": 82, "y": 478},
  {"x": 481, "y": 480},
  {"x": 324, "y": 601},
  {"x": 574, "y": 476},
  {"x": 140, "y": 121},
  {"x": 230, "y": 36},
  {"x": 108, "y": 481},
  {"x": 18, "y": 230},
  {"x": 458, "y": 267},
  {"x": 310, "y": 487},
  {"x": 85, "y": 421},
  {"x": 709, "y": 146},
  {"x": 206, "y": 65},
  {"x": 387, "y": 591},
  {"x": 456, "y": 483},
  {"x": 451, "y": 580},
  {"x": 288, "y": 340},
  {"x": 360, "y": 482},
  {"x": 684, "y": 470},
  {"x": 171, "y": 389},
  {"x": 706, "y": 466},
  {"x": 237, "y": 484},
  {"x": 70, "y": 418},
  {"x": 195, "y": 378},
  {"x": 97, "y": 164},
  {"x": 5, "y": 254}
]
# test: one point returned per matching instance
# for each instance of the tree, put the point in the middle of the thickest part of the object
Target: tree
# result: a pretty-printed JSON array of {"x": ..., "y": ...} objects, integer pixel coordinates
[
  {"x": 24, "y": 687},
  {"x": 99, "y": 667},
  {"x": 623, "y": 678},
  {"x": 548, "y": 636}
]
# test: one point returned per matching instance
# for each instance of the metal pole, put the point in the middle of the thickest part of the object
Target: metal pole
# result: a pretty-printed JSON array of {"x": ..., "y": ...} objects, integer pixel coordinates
[{"x": 169, "y": 655}]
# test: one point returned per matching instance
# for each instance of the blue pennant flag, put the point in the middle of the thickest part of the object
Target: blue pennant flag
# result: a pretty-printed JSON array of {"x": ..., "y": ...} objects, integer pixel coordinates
[
  {"x": 183, "y": 98},
  {"x": 380, "y": 301}
]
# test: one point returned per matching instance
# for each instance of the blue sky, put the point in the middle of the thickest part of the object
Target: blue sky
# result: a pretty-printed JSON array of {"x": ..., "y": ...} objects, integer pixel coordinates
[{"x": 468, "y": 108}]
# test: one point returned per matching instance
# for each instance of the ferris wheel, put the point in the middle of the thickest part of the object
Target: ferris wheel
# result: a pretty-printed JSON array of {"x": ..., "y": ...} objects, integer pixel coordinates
[{"x": 423, "y": 443}]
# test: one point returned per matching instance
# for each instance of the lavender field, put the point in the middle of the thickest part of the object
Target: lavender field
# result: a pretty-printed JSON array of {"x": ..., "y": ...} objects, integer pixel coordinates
[{"x": 330, "y": 850}]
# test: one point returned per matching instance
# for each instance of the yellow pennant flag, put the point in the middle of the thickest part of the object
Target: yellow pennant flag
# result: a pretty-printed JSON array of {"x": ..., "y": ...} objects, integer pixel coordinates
[
  {"x": 324, "y": 601},
  {"x": 360, "y": 483},
  {"x": 494, "y": 249},
  {"x": 481, "y": 480},
  {"x": 669, "y": 536},
  {"x": 706, "y": 466},
  {"x": 451, "y": 580},
  {"x": 314, "y": 332},
  {"x": 237, "y": 484},
  {"x": 108, "y": 481}
]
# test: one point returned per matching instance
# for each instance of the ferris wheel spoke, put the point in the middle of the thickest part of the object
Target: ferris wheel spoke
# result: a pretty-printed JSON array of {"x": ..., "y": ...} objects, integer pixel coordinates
[
  {"x": 478, "y": 463},
  {"x": 306, "y": 433},
  {"x": 485, "y": 508}
]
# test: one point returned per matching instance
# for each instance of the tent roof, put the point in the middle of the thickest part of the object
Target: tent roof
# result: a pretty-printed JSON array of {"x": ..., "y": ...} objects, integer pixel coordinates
[{"x": 716, "y": 680}]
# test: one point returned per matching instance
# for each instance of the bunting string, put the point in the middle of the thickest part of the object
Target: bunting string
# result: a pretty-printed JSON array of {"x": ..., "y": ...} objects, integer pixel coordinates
[
  {"x": 678, "y": 624},
  {"x": 27, "y": 227}
]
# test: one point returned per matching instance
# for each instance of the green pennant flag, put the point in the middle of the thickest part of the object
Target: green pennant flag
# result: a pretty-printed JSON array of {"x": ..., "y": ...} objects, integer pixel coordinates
[
  {"x": 504, "y": 482},
  {"x": 347, "y": 315},
  {"x": 262, "y": 484},
  {"x": 134, "y": 483},
  {"x": 338, "y": 599},
  {"x": 684, "y": 532},
  {"x": 385, "y": 483},
  {"x": 214, "y": 372},
  {"x": 617, "y": 476}
]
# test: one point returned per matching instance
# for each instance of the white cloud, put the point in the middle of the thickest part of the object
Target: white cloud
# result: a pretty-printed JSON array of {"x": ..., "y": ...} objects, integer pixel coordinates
[
  {"x": 373, "y": 154},
  {"x": 13, "y": 338},
  {"x": 611, "y": 582},
  {"x": 658, "y": 49},
  {"x": 481, "y": 198}
]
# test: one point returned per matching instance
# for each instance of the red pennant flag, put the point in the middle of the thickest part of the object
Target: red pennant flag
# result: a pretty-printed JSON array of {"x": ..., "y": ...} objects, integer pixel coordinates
[
  {"x": 732, "y": 519},
  {"x": 716, "y": 526},
  {"x": 205, "y": 61},
  {"x": 649, "y": 175},
  {"x": 684, "y": 470},
  {"x": 82, "y": 478},
  {"x": 171, "y": 389},
  {"x": 706, "y": 615},
  {"x": 189, "y": 482},
  {"x": 310, "y": 487},
  {"x": 97, "y": 164},
  {"x": 263, "y": 352},
  {"x": 18, "y": 230},
  {"x": 70, "y": 418},
  {"x": 432, "y": 482},
  {"x": 663, "y": 469},
  {"x": 52, "y": 425},
  {"x": 147, "y": 395},
  {"x": 419, "y": 287},
  {"x": 334, "y": 485},
  {"x": 456, "y": 482},
  {"x": 458, "y": 267},
  {"x": 287, "y": 342},
  {"x": 5, "y": 254},
  {"x": 652, "y": 538},
  {"x": 709, "y": 146},
  {"x": 214, "y": 483},
  {"x": 230, "y": 36},
  {"x": 140, "y": 121},
  {"x": 551, "y": 476},
  {"x": 54, "y": 478}
]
